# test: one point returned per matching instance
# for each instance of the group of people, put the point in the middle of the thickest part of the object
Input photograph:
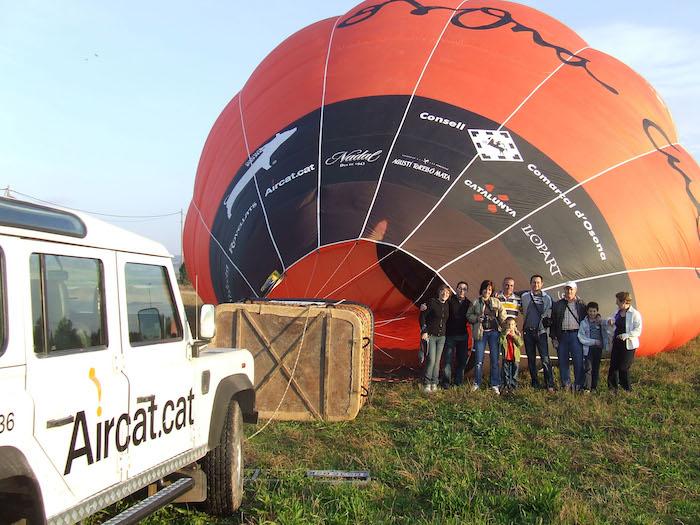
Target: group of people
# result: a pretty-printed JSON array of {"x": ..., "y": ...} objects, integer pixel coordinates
[{"x": 455, "y": 330}]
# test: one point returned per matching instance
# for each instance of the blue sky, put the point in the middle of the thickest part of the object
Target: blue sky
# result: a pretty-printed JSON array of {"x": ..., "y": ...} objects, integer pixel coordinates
[{"x": 105, "y": 106}]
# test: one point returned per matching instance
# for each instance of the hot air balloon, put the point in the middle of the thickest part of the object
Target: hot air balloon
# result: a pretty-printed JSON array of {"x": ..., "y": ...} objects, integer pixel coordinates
[{"x": 373, "y": 156}]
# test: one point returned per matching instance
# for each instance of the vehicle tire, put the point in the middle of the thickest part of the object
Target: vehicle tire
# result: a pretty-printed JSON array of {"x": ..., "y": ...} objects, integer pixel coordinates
[
  {"x": 223, "y": 466},
  {"x": 21, "y": 504}
]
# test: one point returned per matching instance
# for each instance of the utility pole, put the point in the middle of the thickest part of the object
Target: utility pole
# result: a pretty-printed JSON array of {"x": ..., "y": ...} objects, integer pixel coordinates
[{"x": 182, "y": 241}]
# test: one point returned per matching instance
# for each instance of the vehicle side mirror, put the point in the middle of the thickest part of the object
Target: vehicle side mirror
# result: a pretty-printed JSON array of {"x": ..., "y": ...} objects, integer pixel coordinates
[{"x": 207, "y": 321}]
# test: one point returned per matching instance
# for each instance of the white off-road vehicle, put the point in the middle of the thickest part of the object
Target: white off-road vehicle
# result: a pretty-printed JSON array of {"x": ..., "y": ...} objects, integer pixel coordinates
[{"x": 103, "y": 390}]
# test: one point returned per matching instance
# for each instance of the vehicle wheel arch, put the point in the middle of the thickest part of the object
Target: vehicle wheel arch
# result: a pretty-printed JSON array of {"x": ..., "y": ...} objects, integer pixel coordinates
[
  {"x": 20, "y": 486},
  {"x": 234, "y": 387}
]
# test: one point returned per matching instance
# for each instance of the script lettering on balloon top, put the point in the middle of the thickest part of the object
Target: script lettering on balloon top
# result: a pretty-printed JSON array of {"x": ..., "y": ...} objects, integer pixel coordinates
[
  {"x": 674, "y": 162},
  {"x": 501, "y": 18}
]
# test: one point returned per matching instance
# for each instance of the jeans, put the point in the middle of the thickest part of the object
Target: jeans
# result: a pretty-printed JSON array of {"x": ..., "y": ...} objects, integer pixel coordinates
[
  {"x": 510, "y": 374},
  {"x": 570, "y": 346},
  {"x": 432, "y": 361},
  {"x": 454, "y": 343},
  {"x": 490, "y": 337},
  {"x": 533, "y": 343},
  {"x": 620, "y": 363},
  {"x": 591, "y": 366}
]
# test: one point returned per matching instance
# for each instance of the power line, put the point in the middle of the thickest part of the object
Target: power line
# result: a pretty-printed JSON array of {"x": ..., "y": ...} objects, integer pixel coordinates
[
  {"x": 137, "y": 220},
  {"x": 8, "y": 191}
]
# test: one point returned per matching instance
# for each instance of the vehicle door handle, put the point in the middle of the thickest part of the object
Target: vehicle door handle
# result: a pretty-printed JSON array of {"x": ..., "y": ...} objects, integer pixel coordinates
[{"x": 53, "y": 423}]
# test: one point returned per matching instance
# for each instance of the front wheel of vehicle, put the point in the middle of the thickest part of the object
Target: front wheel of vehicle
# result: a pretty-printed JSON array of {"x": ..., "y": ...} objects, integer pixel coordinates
[{"x": 223, "y": 466}]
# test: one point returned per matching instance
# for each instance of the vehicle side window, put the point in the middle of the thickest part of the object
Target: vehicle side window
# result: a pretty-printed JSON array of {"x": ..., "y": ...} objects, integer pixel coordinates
[
  {"x": 67, "y": 298},
  {"x": 150, "y": 306}
]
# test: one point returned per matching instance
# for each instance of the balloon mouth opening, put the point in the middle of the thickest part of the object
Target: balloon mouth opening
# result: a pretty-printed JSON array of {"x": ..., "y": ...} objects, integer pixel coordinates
[
  {"x": 390, "y": 281},
  {"x": 413, "y": 278},
  {"x": 380, "y": 275}
]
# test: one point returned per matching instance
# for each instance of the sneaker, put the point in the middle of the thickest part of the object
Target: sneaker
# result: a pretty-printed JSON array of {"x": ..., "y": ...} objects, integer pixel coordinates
[
  {"x": 433, "y": 388},
  {"x": 427, "y": 388},
  {"x": 496, "y": 390},
  {"x": 475, "y": 387},
  {"x": 586, "y": 391},
  {"x": 550, "y": 390}
]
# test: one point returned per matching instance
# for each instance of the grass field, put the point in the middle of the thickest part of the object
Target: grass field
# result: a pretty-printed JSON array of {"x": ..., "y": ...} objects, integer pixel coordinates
[{"x": 462, "y": 457}]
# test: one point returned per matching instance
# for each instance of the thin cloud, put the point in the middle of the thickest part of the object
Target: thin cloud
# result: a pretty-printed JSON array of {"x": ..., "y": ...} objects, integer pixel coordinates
[{"x": 666, "y": 57}]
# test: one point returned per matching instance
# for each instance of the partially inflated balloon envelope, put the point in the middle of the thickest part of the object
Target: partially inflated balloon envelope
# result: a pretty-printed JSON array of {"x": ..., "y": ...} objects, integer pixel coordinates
[{"x": 373, "y": 156}]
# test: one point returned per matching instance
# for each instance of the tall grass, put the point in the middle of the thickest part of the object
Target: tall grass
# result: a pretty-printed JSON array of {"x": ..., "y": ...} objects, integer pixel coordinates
[{"x": 462, "y": 457}]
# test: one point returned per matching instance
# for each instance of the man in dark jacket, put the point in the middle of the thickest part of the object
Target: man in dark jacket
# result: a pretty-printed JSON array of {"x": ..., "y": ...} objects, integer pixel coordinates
[
  {"x": 537, "y": 312},
  {"x": 567, "y": 313},
  {"x": 456, "y": 336}
]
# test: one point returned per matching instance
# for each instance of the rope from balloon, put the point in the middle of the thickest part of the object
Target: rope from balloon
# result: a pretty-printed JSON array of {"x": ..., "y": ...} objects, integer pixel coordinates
[
  {"x": 291, "y": 376},
  {"x": 336, "y": 269},
  {"x": 201, "y": 219},
  {"x": 313, "y": 273}
]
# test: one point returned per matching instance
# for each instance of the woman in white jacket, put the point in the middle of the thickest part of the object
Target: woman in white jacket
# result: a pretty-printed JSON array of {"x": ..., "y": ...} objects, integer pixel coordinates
[{"x": 628, "y": 327}]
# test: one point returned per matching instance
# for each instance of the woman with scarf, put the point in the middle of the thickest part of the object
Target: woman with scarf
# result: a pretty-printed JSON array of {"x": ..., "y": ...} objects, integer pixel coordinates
[
  {"x": 628, "y": 327},
  {"x": 486, "y": 315}
]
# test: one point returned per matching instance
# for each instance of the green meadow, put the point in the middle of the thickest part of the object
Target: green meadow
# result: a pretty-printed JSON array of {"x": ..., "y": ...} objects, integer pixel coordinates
[{"x": 461, "y": 457}]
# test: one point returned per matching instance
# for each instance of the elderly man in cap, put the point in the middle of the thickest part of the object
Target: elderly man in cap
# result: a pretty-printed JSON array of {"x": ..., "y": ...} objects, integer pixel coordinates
[{"x": 567, "y": 314}]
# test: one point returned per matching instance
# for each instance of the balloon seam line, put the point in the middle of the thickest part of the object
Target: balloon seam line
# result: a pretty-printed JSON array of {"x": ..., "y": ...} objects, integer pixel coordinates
[
  {"x": 313, "y": 272},
  {"x": 546, "y": 204},
  {"x": 622, "y": 272},
  {"x": 320, "y": 135},
  {"x": 316, "y": 249},
  {"x": 403, "y": 119},
  {"x": 222, "y": 248},
  {"x": 255, "y": 179},
  {"x": 373, "y": 265},
  {"x": 336, "y": 269},
  {"x": 476, "y": 155}
]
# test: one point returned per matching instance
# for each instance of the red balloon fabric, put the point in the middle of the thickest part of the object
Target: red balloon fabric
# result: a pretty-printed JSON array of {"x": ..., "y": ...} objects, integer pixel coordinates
[{"x": 373, "y": 156}]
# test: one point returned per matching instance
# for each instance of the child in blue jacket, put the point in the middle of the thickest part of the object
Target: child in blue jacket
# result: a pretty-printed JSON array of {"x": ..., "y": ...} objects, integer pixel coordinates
[{"x": 593, "y": 334}]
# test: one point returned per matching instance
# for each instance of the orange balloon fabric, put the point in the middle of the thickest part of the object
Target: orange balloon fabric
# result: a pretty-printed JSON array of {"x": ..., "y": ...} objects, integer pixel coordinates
[{"x": 373, "y": 156}]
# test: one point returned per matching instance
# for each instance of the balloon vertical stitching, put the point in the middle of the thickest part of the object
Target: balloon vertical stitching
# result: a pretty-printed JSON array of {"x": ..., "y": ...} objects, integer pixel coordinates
[
  {"x": 555, "y": 199},
  {"x": 334, "y": 243},
  {"x": 320, "y": 136},
  {"x": 622, "y": 272},
  {"x": 375, "y": 264},
  {"x": 255, "y": 179},
  {"x": 403, "y": 119},
  {"x": 313, "y": 272},
  {"x": 336, "y": 269},
  {"x": 201, "y": 218},
  {"x": 459, "y": 177}
]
